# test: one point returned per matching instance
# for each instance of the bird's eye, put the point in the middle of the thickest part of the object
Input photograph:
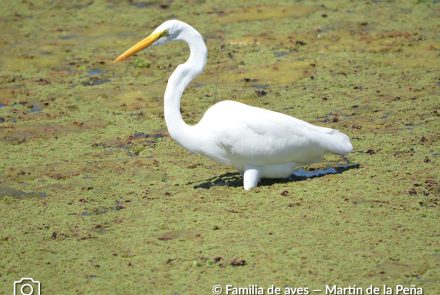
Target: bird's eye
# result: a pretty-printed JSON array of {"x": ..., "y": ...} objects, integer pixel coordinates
[{"x": 165, "y": 33}]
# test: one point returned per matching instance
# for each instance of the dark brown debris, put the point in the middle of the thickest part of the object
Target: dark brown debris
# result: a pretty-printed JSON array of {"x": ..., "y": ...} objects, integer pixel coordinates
[
  {"x": 238, "y": 262},
  {"x": 247, "y": 80},
  {"x": 370, "y": 152},
  {"x": 260, "y": 92},
  {"x": 285, "y": 193},
  {"x": 412, "y": 191},
  {"x": 42, "y": 81},
  {"x": 218, "y": 259},
  {"x": 167, "y": 236},
  {"x": 119, "y": 205}
]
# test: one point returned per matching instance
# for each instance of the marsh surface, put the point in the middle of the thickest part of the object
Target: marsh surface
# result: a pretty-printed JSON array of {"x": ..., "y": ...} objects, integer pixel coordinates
[{"x": 96, "y": 198}]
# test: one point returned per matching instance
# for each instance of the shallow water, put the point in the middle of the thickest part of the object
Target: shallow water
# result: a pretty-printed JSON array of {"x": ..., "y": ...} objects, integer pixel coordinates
[
  {"x": 96, "y": 198},
  {"x": 235, "y": 180},
  {"x": 10, "y": 192}
]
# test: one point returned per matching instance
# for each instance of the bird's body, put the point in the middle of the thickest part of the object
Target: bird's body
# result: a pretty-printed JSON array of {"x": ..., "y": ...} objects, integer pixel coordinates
[
  {"x": 242, "y": 135},
  {"x": 257, "y": 142}
]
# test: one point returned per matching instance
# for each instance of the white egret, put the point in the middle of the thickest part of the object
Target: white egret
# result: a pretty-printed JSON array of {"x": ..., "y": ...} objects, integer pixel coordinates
[{"x": 259, "y": 143}]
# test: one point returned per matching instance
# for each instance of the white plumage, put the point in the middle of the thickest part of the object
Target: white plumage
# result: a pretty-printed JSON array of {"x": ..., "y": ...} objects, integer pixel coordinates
[{"x": 257, "y": 142}]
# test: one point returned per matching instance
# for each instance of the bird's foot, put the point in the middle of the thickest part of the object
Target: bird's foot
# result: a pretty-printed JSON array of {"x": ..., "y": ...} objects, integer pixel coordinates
[{"x": 251, "y": 177}]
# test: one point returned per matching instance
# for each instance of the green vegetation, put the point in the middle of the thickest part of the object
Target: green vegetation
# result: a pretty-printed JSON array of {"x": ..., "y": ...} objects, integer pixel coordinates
[{"x": 96, "y": 198}]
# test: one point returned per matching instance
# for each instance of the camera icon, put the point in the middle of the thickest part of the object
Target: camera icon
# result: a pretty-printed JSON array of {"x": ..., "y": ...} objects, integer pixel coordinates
[{"x": 27, "y": 286}]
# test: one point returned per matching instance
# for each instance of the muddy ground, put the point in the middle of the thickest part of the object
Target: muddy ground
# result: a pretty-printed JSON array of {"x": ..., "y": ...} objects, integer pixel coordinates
[{"x": 96, "y": 198}]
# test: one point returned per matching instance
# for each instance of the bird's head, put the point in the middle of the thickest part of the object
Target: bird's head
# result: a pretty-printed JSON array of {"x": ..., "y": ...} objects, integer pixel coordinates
[{"x": 166, "y": 32}]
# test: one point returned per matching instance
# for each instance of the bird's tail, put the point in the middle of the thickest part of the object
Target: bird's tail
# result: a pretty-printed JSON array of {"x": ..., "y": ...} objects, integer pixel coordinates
[{"x": 334, "y": 141}]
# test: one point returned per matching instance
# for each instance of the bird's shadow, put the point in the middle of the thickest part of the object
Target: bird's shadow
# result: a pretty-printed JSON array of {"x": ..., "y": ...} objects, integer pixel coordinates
[{"x": 234, "y": 179}]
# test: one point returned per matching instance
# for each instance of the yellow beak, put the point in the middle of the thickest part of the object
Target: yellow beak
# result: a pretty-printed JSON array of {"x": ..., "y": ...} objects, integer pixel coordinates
[{"x": 140, "y": 45}]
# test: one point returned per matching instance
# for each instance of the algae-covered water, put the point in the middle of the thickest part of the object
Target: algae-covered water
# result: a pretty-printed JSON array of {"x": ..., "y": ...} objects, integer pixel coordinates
[{"x": 96, "y": 198}]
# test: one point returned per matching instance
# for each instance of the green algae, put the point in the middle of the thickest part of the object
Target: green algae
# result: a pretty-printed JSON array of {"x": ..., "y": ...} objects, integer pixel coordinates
[{"x": 92, "y": 202}]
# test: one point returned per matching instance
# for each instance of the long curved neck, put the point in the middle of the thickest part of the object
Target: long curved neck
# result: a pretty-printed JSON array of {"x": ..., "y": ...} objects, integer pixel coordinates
[{"x": 179, "y": 79}]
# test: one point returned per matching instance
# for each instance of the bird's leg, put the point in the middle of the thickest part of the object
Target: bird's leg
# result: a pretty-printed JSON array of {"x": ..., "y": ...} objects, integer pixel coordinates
[{"x": 251, "y": 177}]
